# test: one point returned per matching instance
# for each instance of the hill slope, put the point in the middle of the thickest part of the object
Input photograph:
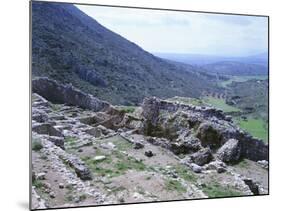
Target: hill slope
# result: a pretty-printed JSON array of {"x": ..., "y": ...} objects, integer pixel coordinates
[{"x": 71, "y": 47}]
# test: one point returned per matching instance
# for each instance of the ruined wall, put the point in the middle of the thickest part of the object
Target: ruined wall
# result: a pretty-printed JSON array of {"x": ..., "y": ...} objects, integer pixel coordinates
[
  {"x": 66, "y": 94},
  {"x": 251, "y": 148}
]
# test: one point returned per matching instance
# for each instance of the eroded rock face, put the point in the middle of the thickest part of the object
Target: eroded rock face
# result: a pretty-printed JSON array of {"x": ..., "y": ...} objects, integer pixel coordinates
[
  {"x": 66, "y": 94},
  {"x": 175, "y": 122},
  {"x": 230, "y": 152},
  {"x": 202, "y": 157}
]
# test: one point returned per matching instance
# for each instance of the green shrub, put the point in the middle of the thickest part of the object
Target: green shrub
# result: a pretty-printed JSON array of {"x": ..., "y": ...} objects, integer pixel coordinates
[{"x": 36, "y": 145}]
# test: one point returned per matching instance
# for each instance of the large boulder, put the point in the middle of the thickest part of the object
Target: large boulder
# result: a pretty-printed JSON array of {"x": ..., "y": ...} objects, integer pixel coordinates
[
  {"x": 186, "y": 145},
  {"x": 202, "y": 157},
  {"x": 66, "y": 94},
  {"x": 79, "y": 167},
  {"x": 230, "y": 151}
]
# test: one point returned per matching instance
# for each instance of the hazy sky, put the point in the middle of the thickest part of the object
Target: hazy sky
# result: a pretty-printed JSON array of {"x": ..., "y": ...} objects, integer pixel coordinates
[{"x": 185, "y": 32}]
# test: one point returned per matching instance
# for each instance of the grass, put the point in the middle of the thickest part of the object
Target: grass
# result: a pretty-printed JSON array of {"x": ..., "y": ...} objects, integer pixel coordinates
[
  {"x": 174, "y": 185},
  {"x": 185, "y": 174},
  {"x": 256, "y": 127},
  {"x": 37, "y": 183},
  {"x": 120, "y": 143},
  {"x": 36, "y": 145},
  {"x": 214, "y": 190},
  {"x": 220, "y": 104},
  {"x": 70, "y": 140},
  {"x": 114, "y": 165}
]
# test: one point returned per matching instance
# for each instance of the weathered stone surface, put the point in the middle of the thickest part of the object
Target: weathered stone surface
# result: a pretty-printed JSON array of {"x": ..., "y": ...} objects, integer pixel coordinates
[
  {"x": 151, "y": 107},
  {"x": 80, "y": 168},
  {"x": 66, "y": 94},
  {"x": 39, "y": 115},
  {"x": 96, "y": 132},
  {"x": 211, "y": 126},
  {"x": 252, "y": 185},
  {"x": 196, "y": 168},
  {"x": 219, "y": 166},
  {"x": 58, "y": 141},
  {"x": 187, "y": 145},
  {"x": 254, "y": 149},
  {"x": 263, "y": 163},
  {"x": 99, "y": 158},
  {"x": 138, "y": 145},
  {"x": 202, "y": 157},
  {"x": 46, "y": 128},
  {"x": 41, "y": 176},
  {"x": 230, "y": 151}
]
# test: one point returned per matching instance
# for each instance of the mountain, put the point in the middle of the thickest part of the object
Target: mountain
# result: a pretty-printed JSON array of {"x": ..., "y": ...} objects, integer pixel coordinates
[{"x": 71, "y": 47}]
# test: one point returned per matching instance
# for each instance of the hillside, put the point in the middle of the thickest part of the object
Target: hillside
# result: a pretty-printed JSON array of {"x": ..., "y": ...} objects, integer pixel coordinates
[{"x": 71, "y": 47}]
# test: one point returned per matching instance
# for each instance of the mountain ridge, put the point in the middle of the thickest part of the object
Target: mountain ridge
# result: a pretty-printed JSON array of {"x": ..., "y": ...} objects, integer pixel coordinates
[{"x": 71, "y": 47}]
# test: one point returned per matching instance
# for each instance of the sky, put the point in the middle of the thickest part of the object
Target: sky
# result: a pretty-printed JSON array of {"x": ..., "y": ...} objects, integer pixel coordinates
[{"x": 185, "y": 32}]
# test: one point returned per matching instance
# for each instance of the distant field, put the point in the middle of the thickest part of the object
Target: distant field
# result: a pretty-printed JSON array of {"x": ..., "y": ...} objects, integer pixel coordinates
[
  {"x": 206, "y": 101},
  {"x": 256, "y": 127},
  {"x": 241, "y": 79},
  {"x": 187, "y": 100},
  {"x": 220, "y": 104}
]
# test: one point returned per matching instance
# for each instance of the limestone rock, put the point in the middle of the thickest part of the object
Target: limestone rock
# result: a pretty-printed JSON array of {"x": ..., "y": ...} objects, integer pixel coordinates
[
  {"x": 219, "y": 166},
  {"x": 196, "y": 168},
  {"x": 58, "y": 141},
  {"x": 263, "y": 163},
  {"x": 230, "y": 151},
  {"x": 202, "y": 157}
]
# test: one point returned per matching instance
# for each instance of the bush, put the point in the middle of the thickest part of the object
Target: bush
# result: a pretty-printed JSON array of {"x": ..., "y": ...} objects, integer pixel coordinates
[{"x": 36, "y": 145}]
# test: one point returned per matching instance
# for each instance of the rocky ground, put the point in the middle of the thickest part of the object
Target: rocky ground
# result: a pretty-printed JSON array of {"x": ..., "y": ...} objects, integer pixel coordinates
[{"x": 92, "y": 153}]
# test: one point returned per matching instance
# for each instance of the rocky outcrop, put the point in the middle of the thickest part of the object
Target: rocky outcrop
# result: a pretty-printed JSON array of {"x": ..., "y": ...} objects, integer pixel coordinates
[
  {"x": 230, "y": 152},
  {"x": 202, "y": 157},
  {"x": 66, "y": 94},
  {"x": 212, "y": 127}
]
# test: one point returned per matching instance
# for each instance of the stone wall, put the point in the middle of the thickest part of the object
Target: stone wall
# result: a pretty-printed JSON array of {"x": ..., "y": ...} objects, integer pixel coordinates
[{"x": 66, "y": 94}]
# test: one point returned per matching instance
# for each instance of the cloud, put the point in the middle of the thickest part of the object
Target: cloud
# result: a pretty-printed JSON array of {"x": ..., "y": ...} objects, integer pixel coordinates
[{"x": 185, "y": 32}]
